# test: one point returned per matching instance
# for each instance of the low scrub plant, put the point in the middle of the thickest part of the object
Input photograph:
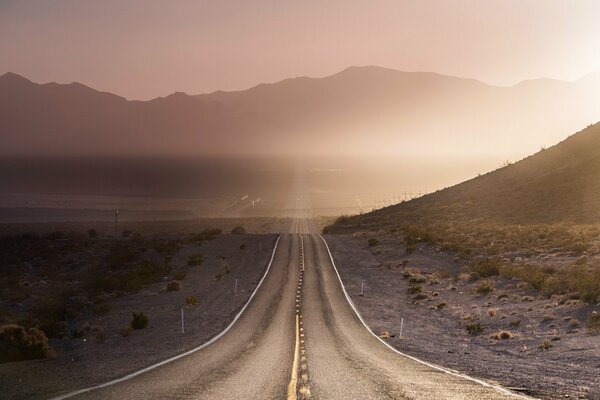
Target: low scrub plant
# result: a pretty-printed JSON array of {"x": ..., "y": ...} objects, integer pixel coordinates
[
  {"x": 474, "y": 329},
  {"x": 485, "y": 287},
  {"x": 174, "y": 286},
  {"x": 593, "y": 323},
  {"x": 191, "y": 301},
  {"x": 139, "y": 320},
  {"x": 17, "y": 343}
]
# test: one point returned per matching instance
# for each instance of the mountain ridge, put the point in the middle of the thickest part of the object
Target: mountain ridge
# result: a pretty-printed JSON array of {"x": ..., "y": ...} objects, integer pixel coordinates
[{"x": 360, "y": 109}]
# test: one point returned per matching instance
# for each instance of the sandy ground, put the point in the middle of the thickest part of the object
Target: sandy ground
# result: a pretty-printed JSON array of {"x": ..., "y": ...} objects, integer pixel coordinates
[
  {"x": 435, "y": 326},
  {"x": 83, "y": 362}
]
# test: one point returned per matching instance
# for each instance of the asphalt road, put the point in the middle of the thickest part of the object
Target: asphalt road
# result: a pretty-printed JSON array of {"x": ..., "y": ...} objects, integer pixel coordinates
[{"x": 328, "y": 354}]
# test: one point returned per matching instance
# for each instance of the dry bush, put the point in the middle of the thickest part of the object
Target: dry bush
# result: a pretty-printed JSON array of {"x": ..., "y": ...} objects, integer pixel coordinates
[
  {"x": 545, "y": 345},
  {"x": 474, "y": 329},
  {"x": 174, "y": 286},
  {"x": 139, "y": 320},
  {"x": 593, "y": 323},
  {"x": 17, "y": 344},
  {"x": 485, "y": 287},
  {"x": 502, "y": 335},
  {"x": 191, "y": 300}
]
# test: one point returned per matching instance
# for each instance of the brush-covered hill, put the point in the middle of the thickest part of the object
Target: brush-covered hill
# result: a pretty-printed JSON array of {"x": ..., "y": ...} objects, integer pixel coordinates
[
  {"x": 361, "y": 110},
  {"x": 560, "y": 184}
]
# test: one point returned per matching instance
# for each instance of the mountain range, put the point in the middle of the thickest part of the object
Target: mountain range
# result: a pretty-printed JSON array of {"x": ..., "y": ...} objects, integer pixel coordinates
[{"x": 361, "y": 110}]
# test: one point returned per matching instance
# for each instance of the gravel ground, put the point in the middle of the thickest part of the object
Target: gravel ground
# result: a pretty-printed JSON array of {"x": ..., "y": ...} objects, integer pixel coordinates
[
  {"x": 82, "y": 362},
  {"x": 435, "y": 325}
]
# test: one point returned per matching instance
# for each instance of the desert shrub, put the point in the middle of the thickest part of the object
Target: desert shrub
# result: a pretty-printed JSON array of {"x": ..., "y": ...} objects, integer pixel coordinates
[
  {"x": 194, "y": 260},
  {"x": 474, "y": 329},
  {"x": 17, "y": 344},
  {"x": 238, "y": 230},
  {"x": 92, "y": 233},
  {"x": 415, "y": 288},
  {"x": 191, "y": 300},
  {"x": 593, "y": 322},
  {"x": 545, "y": 345},
  {"x": 242, "y": 246},
  {"x": 174, "y": 286},
  {"x": 502, "y": 335},
  {"x": 485, "y": 287},
  {"x": 487, "y": 267},
  {"x": 373, "y": 242},
  {"x": 139, "y": 320},
  {"x": 126, "y": 233},
  {"x": 417, "y": 279}
]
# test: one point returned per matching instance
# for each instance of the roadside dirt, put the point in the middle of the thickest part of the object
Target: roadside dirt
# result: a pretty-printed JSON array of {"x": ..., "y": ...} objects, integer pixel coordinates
[
  {"x": 435, "y": 322},
  {"x": 82, "y": 362}
]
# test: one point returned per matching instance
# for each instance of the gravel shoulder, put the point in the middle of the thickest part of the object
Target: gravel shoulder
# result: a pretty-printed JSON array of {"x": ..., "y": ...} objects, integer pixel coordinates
[
  {"x": 435, "y": 322},
  {"x": 83, "y": 361}
]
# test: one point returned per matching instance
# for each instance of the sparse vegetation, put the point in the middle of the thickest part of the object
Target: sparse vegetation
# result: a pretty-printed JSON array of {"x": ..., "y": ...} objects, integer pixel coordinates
[
  {"x": 139, "y": 320},
  {"x": 474, "y": 329},
  {"x": 545, "y": 345},
  {"x": 174, "y": 286},
  {"x": 485, "y": 287},
  {"x": 372, "y": 242},
  {"x": 502, "y": 335},
  {"x": 593, "y": 323},
  {"x": 17, "y": 343},
  {"x": 191, "y": 301}
]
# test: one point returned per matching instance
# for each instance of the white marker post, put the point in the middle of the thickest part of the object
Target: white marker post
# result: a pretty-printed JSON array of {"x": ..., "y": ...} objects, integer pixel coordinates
[
  {"x": 362, "y": 288},
  {"x": 235, "y": 287},
  {"x": 182, "y": 323},
  {"x": 260, "y": 247},
  {"x": 401, "y": 327}
]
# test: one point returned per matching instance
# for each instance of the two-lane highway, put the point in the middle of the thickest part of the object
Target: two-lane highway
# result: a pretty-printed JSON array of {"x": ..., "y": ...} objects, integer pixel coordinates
[{"x": 299, "y": 337}]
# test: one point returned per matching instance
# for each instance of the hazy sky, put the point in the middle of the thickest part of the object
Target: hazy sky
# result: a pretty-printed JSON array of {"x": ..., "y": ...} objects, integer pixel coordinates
[{"x": 144, "y": 49}]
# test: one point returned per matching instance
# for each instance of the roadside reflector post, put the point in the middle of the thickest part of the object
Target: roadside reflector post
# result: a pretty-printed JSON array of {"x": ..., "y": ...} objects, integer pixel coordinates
[
  {"x": 362, "y": 288},
  {"x": 182, "y": 323},
  {"x": 401, "y": 327},
  {"x": 235, "y": 287},
  {"x": 260, "y": 247}
]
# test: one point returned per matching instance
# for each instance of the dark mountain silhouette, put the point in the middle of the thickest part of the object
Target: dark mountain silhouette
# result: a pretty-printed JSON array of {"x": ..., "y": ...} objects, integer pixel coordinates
[
  {"x": 558, "y": 184},
  {"x": 359, "y": 110}
]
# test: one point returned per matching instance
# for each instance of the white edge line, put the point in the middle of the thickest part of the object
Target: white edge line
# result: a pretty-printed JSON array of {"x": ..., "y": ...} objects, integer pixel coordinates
[
  {"x": 434, "y": 366},
  {"x": 187, "y": 353}
]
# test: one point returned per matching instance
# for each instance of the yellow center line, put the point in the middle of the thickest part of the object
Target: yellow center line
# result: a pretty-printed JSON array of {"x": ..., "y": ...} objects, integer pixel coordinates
[
  {"x": 292, "y": 389},
  {"x": 292, "y": 386}
]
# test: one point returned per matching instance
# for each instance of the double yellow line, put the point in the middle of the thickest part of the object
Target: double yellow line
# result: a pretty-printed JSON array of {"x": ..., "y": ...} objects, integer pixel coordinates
[{"x": 293, "y": 385}]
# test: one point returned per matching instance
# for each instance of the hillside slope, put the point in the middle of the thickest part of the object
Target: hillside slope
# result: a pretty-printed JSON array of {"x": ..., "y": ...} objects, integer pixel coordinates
[
  {"x": 361, "y": 110},
  {"x": 559, "y": 184}
]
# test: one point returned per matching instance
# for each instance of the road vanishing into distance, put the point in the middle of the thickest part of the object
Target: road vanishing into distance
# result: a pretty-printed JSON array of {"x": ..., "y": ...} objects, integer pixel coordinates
[{"x": 298, "y": 337}]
